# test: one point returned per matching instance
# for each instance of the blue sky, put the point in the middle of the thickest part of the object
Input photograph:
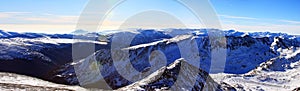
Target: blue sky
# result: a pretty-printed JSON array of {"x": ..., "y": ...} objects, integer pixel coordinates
[
  {"x": 60, "y": 16},
  {"x": 265, "y": 9}
]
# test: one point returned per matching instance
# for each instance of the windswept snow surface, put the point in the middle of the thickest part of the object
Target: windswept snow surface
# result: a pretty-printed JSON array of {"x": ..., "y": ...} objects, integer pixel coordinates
[{"x": 13, "y": 82}]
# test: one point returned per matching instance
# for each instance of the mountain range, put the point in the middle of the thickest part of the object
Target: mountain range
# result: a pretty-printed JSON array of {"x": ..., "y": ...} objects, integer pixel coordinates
[{"x": 254, "y": 61}]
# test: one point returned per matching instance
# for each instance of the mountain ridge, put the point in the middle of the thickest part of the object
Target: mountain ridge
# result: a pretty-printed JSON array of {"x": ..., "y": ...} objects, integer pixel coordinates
[{"x": 245, "y": 52}]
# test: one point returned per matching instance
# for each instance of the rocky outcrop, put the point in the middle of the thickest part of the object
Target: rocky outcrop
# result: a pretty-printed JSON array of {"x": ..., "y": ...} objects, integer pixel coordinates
[{"x": 177, "y": 76}]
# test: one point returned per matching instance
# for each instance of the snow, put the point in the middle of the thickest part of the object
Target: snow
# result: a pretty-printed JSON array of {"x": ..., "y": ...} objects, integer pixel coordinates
[
  {"x": 274, "y": 43},
  {"x": 236, "y": 33},
  {"x": 68, "y": 41},
  {"x": 79, "y": 32},
  {"x": 267, "y": 81},
  {"x": 246, "y": 51},
  {"x": 28, "y": 48},
  {"x": 188, "y": 78},
  {"x": 173, "y": 40},
  {"x": 248, "y": 54},
  {"x": 290, "y": 54},
  {"x": 259, "y": 79},
  {"x": 4, "y": 33},
  {"x": 21, "y": 80},
  {"x": 23, "y": 41}
]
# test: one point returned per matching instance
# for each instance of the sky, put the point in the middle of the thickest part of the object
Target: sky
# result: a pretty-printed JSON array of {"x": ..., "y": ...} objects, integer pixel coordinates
[{"x": 61, "y": 16}]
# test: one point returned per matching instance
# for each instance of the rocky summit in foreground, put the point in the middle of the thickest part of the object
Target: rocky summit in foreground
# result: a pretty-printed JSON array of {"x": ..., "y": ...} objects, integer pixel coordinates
[
  {"x": 167, "y": 78},
  {"x": 245, "y": 61}
]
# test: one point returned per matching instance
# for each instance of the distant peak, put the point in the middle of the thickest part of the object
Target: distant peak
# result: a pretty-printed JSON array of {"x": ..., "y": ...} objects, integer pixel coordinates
[
  {"x": 79, "y": 32},
  {"x": 4, "y": 33}
]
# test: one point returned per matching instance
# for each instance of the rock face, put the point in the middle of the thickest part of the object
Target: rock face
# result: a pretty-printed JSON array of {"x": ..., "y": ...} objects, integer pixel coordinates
[
  {"x": 296, "y": 89},
  {"x": 176, "y": 76}
]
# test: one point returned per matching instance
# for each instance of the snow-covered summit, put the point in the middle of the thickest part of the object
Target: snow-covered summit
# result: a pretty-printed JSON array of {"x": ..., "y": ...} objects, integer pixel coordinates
[
  {"x": 167, "y": 78},
  {"x": 79, "y": 32}
]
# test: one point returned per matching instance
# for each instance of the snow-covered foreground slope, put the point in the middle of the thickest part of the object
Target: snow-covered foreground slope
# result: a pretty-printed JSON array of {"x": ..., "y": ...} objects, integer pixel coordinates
[
  {"x": 15, "y": 82},
  {"x": 268, "y": 81}
]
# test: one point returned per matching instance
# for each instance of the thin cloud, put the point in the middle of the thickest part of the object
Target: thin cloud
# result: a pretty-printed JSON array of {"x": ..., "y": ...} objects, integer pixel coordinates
[
  {"x": 27, "y": 18},
  {"x": 11, "y": 14},
  {"x": 290, "y": 21},
  {"x": 237, "y": 17},
  {"x": 16, "y": 12},
  {"x": 4, "y": 16},
  {"x": 39, "y": 28},
  {"x": 290, "y": 29},
  {"x": 53, "y": 19}
]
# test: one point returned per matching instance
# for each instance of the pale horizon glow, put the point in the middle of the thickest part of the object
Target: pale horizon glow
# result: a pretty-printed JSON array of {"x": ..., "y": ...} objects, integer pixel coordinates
[{"x": 50, "y": 17}]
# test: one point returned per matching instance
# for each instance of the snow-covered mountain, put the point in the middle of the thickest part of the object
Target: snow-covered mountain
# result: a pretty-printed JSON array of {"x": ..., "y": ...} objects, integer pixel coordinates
[
  {"x": 79, "y": 32},
  {"x": 36, "y": 54},
  {"x": 252, "y": 59},
  {"x": 279, "y": 73},
  {"x": 169, "y": 79}
]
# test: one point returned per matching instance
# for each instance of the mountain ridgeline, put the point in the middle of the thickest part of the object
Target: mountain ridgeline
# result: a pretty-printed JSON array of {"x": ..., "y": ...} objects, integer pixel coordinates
[{"x": 49, "y": 56}]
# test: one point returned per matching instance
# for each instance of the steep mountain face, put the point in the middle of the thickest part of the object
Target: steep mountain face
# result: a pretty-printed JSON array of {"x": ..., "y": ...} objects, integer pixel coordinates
[
  {"x": 40, "y": 59},
  {"x": 279, "y": 73},
  {"x": 50, "y": 57},
  {"x": 247, "y": 52},
  {"x": 38, "y": 54},
  {"x": 30, "y": 60}
]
